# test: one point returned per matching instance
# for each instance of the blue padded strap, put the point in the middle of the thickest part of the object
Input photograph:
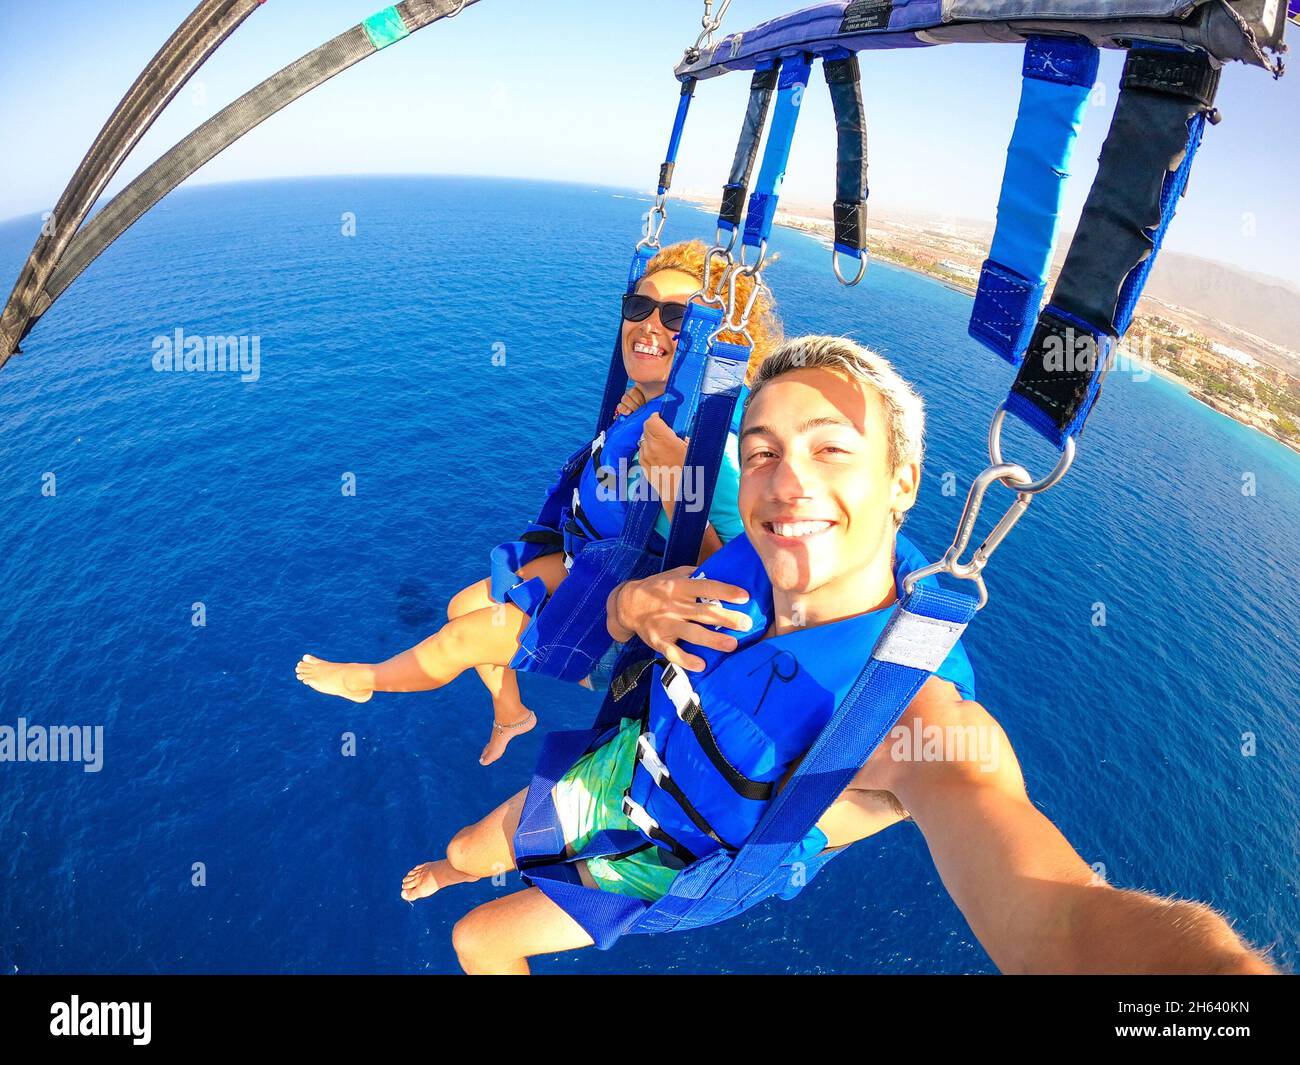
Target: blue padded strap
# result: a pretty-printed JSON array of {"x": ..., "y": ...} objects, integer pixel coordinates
[
  {"x": 1059, "y": 73},
  {"x": 675, "y": 141},
  {"x": 925, "y": 626},
  {"x": 616, "y": 377},
  {"x": 724, "y": 381},
  {"x": 1165, "y": 94},
  {"x": 780, "y": 138},
  {"x": 681, "y": 395}
]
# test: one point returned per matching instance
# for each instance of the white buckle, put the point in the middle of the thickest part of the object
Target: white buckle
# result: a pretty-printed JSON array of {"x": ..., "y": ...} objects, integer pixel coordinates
[
  {"x": 649, "y": 758},
  {"x": 678, "y": 688},
  {"x": 636, "y": 813}
]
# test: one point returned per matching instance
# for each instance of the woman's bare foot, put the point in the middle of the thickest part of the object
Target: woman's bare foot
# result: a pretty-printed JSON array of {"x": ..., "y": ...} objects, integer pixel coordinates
[
  {"x": 425, "y": 879},
  {"x": 503, "y": 734},
  {"x": 346, "y": 680}
]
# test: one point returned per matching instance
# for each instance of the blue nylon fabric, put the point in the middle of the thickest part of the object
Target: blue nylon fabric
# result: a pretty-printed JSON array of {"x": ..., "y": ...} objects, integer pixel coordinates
[
  {"x": 721, "y": 886},
  {"x": 675, "y": 140},
  {"x": 1058, "y": 77},
  {"x": 776, "y": 156},
  {"x": 711, "y": 427},
  {"x": 1175, "y": 185},
  {"x": 567, "y": 636}
]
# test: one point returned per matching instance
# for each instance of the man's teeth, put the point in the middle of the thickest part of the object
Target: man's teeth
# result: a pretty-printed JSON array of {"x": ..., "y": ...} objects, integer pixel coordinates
[{"x": 799, "y": 528}]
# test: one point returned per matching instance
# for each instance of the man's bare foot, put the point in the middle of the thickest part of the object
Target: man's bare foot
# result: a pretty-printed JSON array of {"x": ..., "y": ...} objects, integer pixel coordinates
[
  {"x": 344, "y": 679},
  {"x": 425, "y": 879},
  {"x": 503, "y": 734}
]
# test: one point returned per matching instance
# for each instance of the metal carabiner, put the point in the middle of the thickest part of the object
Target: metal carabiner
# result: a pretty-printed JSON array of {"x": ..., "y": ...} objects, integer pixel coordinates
[
  {"x": 862, "y": 267},
  {"x": 995, "y": 454},
  {"x": 652, "y": 230},
  {"x": 1015, "y": 477},
  {"x": 707, "y": 295}
]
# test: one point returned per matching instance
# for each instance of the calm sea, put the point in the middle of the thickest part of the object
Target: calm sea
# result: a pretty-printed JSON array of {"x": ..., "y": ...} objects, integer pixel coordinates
[{"x": 448, "y": 356}]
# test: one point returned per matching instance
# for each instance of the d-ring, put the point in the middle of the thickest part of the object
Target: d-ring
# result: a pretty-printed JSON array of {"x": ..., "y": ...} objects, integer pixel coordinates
[{"x": 862, "y": 268}]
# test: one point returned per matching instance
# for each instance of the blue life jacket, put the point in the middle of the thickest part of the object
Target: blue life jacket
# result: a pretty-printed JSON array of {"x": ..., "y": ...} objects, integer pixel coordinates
[
  {"x": 600, "y": 499},
  {"x": 854, "y": 679},
  {"x": 716, "y": 743}
]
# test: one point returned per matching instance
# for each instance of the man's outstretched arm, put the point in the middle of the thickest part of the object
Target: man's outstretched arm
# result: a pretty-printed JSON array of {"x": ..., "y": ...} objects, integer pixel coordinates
[{"x": 1034, "y": 904}]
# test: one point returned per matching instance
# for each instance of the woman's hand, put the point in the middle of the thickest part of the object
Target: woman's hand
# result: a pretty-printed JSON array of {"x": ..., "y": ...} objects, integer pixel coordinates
[
  {"x": 633, "y": 400},
  {"x": 663, "y": 453},
  {"x": 664, "y": 609}
]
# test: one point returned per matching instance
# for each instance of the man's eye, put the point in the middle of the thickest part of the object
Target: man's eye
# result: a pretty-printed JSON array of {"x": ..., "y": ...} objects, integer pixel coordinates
[{"x": 762, "y": 453}]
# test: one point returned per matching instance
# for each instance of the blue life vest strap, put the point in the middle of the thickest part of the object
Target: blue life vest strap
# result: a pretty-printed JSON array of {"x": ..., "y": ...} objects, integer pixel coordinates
[
  {"x": 1159, "y": 118},
  {"x": 844, "y": 78},
  {"x": 719, "y": 391},
  {"x": 761, "y": 88},
  {"x": 1059, "y": 73},
  {"x": 792, "y": 82}
]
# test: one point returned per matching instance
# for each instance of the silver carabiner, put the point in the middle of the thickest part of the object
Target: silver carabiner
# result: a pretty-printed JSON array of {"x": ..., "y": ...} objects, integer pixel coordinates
[
  {"x": 652, "y": 230},
  {"x": 1015, "y": 477}
]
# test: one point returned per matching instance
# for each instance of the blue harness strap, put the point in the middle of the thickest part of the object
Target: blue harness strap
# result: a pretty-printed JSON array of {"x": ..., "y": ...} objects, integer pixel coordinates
[
  {"x": 720, "y": 391},
  {"x": 675, "y": 140},
  {"x": 791, "y": 84},
  {"x": 1165, "y": 96},
  {"x": 1059, "y": 73}
]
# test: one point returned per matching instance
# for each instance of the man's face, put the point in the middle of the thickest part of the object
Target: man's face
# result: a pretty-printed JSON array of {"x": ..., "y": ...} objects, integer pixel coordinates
[{"x": 818, "y": 495}]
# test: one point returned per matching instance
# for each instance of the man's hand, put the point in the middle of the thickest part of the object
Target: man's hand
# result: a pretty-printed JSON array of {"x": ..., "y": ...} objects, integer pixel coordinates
[{"x": 664, "y": 610}]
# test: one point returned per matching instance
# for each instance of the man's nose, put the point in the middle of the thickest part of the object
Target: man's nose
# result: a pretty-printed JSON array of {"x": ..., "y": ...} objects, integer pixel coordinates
[{"x": 793, "y": 478}]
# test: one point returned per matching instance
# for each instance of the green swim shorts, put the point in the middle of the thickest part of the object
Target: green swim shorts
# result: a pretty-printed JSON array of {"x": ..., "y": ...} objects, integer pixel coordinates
[{"x": 589, "y": 799}]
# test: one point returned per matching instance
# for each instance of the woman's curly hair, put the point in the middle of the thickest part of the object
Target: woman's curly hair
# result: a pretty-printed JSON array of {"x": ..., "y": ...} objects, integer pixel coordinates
[{"x": 688, "y": 256}]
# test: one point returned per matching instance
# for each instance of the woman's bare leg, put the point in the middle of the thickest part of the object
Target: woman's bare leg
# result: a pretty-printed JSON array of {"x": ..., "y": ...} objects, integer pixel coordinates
[{"x": 488, "y": 636}]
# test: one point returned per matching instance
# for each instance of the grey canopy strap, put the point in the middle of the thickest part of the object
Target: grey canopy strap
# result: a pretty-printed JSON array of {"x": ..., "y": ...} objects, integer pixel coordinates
[
  {"x": 206, "y": 27},
  {"x": 219, "y": 132}
]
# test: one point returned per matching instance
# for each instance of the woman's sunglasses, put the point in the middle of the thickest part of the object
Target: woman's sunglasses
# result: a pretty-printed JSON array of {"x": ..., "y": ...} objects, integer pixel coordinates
[{"x": 637, "y": 308}]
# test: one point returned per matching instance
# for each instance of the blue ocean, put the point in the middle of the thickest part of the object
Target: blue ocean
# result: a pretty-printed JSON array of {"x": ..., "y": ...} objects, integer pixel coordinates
[{"x": 447, "y": 356}]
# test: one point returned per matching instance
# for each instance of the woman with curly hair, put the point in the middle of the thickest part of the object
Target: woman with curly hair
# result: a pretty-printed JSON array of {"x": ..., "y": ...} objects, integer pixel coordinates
[{"x": 484, "y": 633}]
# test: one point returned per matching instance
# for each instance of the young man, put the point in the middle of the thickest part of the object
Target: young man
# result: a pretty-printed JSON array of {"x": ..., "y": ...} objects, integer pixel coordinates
[{"x": 830, "y": 448}]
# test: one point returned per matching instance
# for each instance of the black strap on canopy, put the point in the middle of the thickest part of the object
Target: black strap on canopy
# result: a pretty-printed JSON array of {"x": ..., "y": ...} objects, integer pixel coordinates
[
  {"x": 761, "y": 89},
  {"x": 844, "y": 78},
  {"x": 1165, "y": 96}
]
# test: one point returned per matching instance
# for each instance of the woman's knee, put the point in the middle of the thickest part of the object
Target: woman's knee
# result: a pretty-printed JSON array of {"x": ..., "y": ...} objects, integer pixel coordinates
[
  {"x": 471, "y": 939},
  {"x": 475, "y": 597}
]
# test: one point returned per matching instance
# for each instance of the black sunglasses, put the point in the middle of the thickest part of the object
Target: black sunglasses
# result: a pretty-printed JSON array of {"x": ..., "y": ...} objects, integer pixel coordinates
[{"x": 637, "y": 308}]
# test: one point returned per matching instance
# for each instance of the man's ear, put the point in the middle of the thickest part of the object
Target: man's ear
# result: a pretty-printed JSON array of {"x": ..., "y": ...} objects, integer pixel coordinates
[{"x": 907, "y": 482}]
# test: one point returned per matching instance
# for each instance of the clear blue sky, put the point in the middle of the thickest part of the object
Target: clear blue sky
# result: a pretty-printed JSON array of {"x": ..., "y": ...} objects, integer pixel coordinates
[{"x": 496, "y": 91}]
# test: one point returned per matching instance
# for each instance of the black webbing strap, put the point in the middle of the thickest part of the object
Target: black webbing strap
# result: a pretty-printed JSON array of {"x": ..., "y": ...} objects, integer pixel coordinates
[
  {"x": 682, "y": 853},
  {"x": 761, "y": 89},
  {"x": 1161, "y": 93},
  {"x": 693, "y": 715},
  {"x": 665, "y": 783},
  {"x": 202, "y": 32},
  {"x": 844, "y": 78}
]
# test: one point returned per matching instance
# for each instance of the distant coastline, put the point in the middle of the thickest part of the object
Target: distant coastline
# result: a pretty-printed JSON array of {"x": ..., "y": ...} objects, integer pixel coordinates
[{"x": 1201, "y": 367}]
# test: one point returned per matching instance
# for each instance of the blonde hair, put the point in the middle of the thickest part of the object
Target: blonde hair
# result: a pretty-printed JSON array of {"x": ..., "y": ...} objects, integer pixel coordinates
[
  {"x": 689, "y": 256},
  {"x": 904, "y": 408}
]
